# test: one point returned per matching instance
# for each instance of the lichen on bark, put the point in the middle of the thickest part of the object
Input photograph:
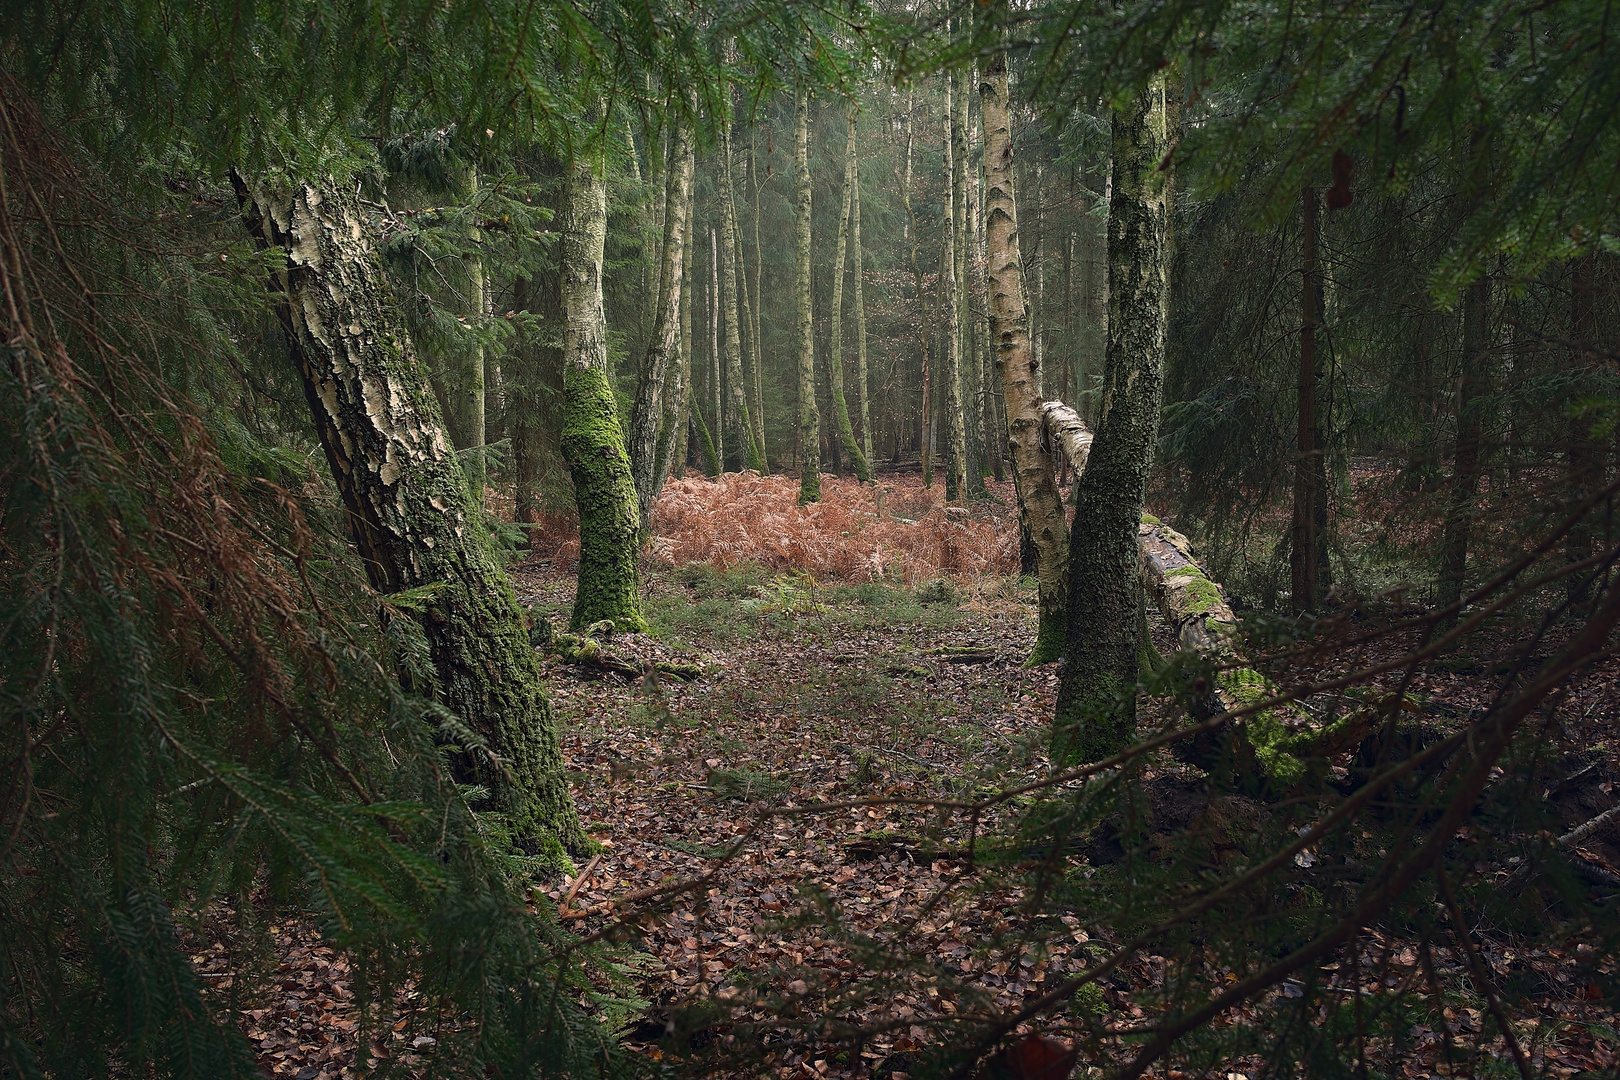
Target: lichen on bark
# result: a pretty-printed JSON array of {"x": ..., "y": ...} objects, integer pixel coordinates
[{"x": 412, "y": 516}]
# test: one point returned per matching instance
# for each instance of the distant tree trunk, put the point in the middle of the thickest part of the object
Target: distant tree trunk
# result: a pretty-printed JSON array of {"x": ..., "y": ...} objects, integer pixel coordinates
[
  {"x": 750, "y": 328},
  {"x": 1096, "y": 707},
  {"x": 925, "y": 419},
  {"x": 970, "y": 375},
  {"x": 858, "y": 257},
  {"x": 1037, "y": 298},
  {"x": 1040, "y": 509},
  {"x": 648, "y": 409},
  {"x": 717, "y": 379},
  {"x": 741, "y": 452},
  {"x": 475, "y": 378},
  {"x": 835, "y": 359},
  {"x": 950, "y": 322},
  {"x": 809, "y": 414},
  {"x": 1473, "y": 384},
  {"x": 1302, "y": 556},
  {"x": 1584, "y": 459},
  {"x": 984, "y": 366},
  {"x": 671, "y": 453},
  {"x": 407, "y": 503},
  {"x": 592, "y": 440},
  {"x": 534, "y": 386},
  {"x": 757, "y": 408}
]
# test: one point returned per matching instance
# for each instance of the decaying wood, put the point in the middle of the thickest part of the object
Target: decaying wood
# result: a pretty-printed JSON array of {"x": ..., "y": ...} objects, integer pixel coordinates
[{"x": 1065, "y": 431}]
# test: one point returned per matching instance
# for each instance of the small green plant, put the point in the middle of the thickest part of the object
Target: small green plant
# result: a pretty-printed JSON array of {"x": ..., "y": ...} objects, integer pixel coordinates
[
  {"x": 1087, "y": 1003},
  {"x": 937, "y": 591}
]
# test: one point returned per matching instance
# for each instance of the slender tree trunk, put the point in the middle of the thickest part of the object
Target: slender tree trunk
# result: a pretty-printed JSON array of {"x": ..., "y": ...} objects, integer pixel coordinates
[
  {"x": 739, "y": 429},
  {"x": 717, "y": 381},
  {"x": 648, "y": 409},
  {"x": 406, "y": 498},
  {"x": 995, "y": 424},
  {"x": 1040, "y": 508},
  {"x": 750, "y": 329},
  {"x": 757, "y": 409},
  {"x": 592, "y": 440},
  {"x": 672, "y": 429},
  {"x": 835, "y": 359},
  {"x": 951, "y": 321},
  {"x": 970, "y": 374},
  {"x": 1037, "y": 299},
  {"x": 809, "y": 415},
  {"x": 925, "y": 417},
  {"x": 858, "y": 257},
  {"x": 1584, "y": 459},
  {"x": 1302, "y": 552},
  {"x": 1096, "y": 707},
  {"x": 1473, "y": 385},
  {"x": 475, "y": 378}
]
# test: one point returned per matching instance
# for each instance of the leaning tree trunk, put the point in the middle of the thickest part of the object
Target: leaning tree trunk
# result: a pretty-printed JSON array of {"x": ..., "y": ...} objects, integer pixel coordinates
[
  {"x": 809, "y": 415},
  {"x": 950, "y": 322},
  {"x": 1040, "y": 509},
  {"x": 970, "y": 378},
  {"x": 406, "y": 498},
  {"x": 1096, "y": 707},
  {"x": 835, "y": 359},
  {"x": 648, "y": 409},
  {"x": 592, "y": 441},
  {"x": 739, "y": 430}
]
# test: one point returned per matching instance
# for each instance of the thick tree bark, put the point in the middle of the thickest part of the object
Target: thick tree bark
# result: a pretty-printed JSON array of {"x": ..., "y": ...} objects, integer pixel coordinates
[
  {"x": 951, "y": 322},
  {"x": 1473, "y": 386},
  {"x": 1040, "y": 510},
  {"x": 648, "y": 408},
  {"x": 739, "y": 430},
  {"x": 809, "y": 414},
  {"x": 592, "y": 440},
  {"x": 835, "y": 359},
  {"x": 858, "y": 257},
  {"x": 1096, "y": 707},
  {"x": 409, "y": 508}
]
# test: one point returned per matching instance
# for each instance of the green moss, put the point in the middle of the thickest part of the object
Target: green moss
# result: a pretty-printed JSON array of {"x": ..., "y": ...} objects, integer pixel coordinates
[
  {"x": 1091, "y": 724},
  {"x": 593, "y": 444},
  {"x": 809, "y": 486},
  {"x": 1088, "y": 1003},
  {"x": 1149, "y": 519},
  {"x": 1049, "y": 640}
]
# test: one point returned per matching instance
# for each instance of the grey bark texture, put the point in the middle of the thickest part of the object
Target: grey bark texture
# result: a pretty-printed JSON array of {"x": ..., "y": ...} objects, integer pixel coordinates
[
  {"x": 950, "y": 321},
  {"x": 809, "y": 414},
  {"x": 858, "y": 258},
  {"x": 409, "y": 509},
  {"x": 741, "y": 452},
  {"x": 647, "y": 411},
  {"x": 835, "y": 361},
  {"x": 1040, "y": 509},
  {"x": 970, "y": 374},
  {"x": 1096, "y": 707}
]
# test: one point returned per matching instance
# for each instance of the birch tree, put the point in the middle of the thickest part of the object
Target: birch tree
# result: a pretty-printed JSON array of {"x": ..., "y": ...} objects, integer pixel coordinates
[
  {"x": 741, "y": 452},
  {"x": 1040, "y": 508},
  {"x": 950, "y": 321},
  {"x": 809, "y": 414},
  {"x": 835, "y": 361}
]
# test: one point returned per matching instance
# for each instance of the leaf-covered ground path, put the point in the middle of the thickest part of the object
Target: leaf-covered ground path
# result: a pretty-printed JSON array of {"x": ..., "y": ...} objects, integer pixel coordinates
[{"x": 784, "y": 929}]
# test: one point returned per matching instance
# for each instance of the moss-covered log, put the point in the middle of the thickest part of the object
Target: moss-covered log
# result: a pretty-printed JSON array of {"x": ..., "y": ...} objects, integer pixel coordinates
[{"x": 412, "y": 516}]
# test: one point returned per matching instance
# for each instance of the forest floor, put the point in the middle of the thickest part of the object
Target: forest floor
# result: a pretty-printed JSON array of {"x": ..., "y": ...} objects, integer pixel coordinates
[{"x": 798, "y": 924}]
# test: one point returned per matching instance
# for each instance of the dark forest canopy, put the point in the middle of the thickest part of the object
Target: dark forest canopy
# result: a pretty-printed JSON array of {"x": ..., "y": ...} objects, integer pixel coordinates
[{"x": 865, "y": 345}]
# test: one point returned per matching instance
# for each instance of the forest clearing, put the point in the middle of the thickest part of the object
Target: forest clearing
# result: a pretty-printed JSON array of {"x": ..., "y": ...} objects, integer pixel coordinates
[{"x": 867, "y": 540}]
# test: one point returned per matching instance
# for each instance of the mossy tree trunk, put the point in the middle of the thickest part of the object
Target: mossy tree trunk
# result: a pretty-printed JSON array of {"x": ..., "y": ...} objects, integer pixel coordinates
[
  {"x": 835, "y": 359},
  {"x": 592, "y": 440},
  {"x": 648, "y": 409},
  {"x": 809, "y": 414},
  {"x": 1096, "y": 707},
  {"x": 409, "y": 509},
  {"x": 950, "y": 320},
  {"x": 1040, "y": 509},
  {"x": 741, "y": 452}
]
